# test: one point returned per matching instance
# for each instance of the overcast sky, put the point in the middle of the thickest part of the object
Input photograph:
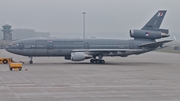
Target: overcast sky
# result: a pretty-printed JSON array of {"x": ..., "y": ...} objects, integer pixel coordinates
[{"x": 65, "y": 16}]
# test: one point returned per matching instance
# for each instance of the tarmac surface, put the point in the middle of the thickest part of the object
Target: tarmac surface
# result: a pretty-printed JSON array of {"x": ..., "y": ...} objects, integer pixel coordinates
[{"x": 153, "y": 76}]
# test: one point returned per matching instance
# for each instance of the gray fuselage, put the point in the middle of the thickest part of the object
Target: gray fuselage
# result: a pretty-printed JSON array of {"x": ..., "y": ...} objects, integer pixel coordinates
[{"x": 63, "y": 47}]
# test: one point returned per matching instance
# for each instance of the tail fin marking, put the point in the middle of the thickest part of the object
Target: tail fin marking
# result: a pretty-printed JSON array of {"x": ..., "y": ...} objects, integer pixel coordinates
[{"x": 155, "y": 21}]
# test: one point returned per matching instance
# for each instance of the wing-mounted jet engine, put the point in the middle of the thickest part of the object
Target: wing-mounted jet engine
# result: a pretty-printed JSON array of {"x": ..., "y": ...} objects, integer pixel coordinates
[{"x": 79, "y": 56}]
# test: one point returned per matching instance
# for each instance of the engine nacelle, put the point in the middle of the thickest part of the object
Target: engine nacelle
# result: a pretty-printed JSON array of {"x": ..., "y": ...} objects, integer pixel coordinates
[
  {"x": 146, "y": 34},
  {"x": 79, "y": 56},
  {"x": 161, "y": 30}
]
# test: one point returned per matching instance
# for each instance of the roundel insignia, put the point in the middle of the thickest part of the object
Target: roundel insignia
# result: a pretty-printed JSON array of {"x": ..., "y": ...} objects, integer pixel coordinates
[
  {"x": 147, "y": 33},
  {"x": 160, "y": 14}
]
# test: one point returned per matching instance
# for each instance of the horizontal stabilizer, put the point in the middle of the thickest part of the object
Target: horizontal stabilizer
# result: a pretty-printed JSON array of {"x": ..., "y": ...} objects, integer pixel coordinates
[{"x": 151, "y": 44}]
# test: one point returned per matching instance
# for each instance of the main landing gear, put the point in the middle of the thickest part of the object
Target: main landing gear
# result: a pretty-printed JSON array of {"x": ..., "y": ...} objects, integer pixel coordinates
[
  {"x": 97, "y": 61},
  {"x": 31, "y": 62}
]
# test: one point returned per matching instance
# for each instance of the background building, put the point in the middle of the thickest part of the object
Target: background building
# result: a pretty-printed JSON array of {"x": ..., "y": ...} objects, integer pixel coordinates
[{"x": 7, "y": 35}]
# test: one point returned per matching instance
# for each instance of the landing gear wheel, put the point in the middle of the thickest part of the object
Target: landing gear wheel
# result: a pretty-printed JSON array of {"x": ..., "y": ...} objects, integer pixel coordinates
[
  {"x": 102, "y": 62},
  {"x": 10, "y": 69},
  {"x": 30, "y": 62},
  {"x": 97, "y": 61},
  {"x": 5, "y": 61},
  {"x": 92, "y": 60}
]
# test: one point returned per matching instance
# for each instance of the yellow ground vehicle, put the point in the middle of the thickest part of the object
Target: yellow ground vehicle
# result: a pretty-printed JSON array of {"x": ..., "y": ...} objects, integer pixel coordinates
[
  {"x": 12, "y": 64},
  {"x": 6, "y": 60},
  {"x": 15, "y": 66}
]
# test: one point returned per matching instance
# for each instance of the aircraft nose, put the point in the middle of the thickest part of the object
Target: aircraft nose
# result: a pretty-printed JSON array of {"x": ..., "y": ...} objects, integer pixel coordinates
[{"x": 8, "y": 48}]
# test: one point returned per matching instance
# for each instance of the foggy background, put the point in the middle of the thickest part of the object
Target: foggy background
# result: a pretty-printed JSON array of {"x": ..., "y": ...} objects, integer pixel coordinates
[{"x": 104, "y": 18}]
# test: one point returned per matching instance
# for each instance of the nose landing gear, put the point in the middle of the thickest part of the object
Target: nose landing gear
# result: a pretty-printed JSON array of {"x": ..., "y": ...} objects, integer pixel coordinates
[{"x": 31, "y": 62}]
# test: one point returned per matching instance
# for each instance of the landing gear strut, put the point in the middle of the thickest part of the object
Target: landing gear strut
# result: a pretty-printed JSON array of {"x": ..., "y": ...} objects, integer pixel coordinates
[
  {"x": 31, "y": 62},
  {"x": 97, "y": 61}
]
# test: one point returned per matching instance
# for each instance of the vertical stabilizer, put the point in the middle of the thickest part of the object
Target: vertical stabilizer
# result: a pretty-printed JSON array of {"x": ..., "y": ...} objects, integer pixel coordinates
[{"x": 155, "y": 21}]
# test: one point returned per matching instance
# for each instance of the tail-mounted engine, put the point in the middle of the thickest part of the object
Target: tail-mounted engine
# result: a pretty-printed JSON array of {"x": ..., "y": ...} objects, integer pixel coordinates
[{"x": 146, "y": 34}]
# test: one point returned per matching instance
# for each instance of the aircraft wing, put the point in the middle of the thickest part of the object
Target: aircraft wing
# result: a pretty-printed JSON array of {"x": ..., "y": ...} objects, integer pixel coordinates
[
  {"x": 150, "y": 44},
  {"x": 107, "y": 50}
]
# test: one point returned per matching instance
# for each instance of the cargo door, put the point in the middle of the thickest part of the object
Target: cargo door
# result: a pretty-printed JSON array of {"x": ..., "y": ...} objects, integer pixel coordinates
[
  {"x": 21, "y": 48},
  {"x": 50, "y": 48}
]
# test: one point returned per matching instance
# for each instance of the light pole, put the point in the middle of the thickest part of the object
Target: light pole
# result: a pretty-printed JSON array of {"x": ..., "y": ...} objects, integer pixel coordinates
[{"x": 84, "y": 25}]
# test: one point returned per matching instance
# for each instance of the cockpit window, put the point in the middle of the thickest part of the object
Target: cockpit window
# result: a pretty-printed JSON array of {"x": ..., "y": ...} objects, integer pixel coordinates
[{"x": 13, "y": 45}]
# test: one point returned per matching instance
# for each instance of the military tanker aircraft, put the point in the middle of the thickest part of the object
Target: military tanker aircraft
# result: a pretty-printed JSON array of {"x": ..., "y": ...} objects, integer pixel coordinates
[{"x": 95, "y": 49}]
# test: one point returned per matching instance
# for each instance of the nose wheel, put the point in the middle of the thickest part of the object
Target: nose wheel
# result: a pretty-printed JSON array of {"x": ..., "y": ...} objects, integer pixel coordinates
[{"x": 31, "y": 62}]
